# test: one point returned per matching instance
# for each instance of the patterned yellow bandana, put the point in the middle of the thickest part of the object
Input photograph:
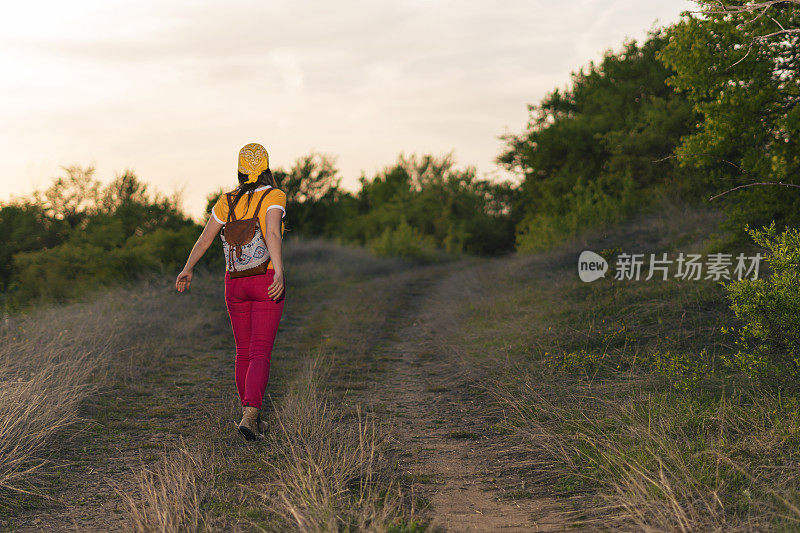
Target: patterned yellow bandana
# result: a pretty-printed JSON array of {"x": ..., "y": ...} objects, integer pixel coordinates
[{"x": 253, "y": 160}]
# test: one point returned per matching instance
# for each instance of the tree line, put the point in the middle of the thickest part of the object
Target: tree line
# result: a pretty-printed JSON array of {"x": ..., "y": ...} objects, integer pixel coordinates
[{"x": 695, "y": 109}]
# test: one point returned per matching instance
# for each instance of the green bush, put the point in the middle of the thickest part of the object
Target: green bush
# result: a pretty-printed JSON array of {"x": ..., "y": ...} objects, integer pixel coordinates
[
  {"x": 404, "y": 241},
  {"x": 458, "y": 211},
  {"x": 588, "y": 206},
  {"x": 67, "y": 270},
  {"x": 59, "y": 273},
  {"x": 768, "y": 336},
  {"x": 580, "y": 360},
  {"x": 79, "y": 234},
  {"x": 169, "y": 248}
]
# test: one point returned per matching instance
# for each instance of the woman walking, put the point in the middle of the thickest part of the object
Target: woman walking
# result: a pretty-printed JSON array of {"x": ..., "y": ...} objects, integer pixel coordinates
[{"x": 254, "y": 284}]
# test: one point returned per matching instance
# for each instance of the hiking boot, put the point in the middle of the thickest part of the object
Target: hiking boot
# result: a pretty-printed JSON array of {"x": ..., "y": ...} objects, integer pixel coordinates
[
  {"x": 249, "y": 424},
  {"x": 262, "y": 425}
]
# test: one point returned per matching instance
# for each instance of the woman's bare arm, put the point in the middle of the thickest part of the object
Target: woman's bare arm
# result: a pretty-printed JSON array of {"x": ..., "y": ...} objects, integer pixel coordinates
[
  {"x": 274, "y": 240},
  {"x": 204, "y": 241}
]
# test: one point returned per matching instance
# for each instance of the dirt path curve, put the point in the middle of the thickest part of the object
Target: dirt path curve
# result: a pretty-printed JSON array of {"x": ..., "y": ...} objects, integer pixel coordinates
[{"x": 453, "y": 451}]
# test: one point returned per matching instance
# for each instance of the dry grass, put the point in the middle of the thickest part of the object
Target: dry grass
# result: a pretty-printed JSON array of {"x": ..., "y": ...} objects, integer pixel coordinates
[
  {"x": 333, "y": 473},
  {"x": 659, "y": 462},
  {"x": 608, "y": 431},
  {"x": 53, "y": 358},
  {"x": 321, "y": 468},
  {"x": 325, "y": 465},
  {"x": 170, "y": 493}
]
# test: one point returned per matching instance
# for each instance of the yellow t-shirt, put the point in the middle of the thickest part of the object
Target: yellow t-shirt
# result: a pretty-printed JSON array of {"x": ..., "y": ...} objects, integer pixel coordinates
[{"x": 275, "y": 200}]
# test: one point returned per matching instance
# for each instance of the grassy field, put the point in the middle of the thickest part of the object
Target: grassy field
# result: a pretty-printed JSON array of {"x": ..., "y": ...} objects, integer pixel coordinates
[
  {"x": 615, "y": 397},
  {"x": 474, "y": 394}
]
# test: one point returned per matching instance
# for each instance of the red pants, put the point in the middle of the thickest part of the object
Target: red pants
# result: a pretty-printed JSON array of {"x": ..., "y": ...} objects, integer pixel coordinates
[{"x": 254, "y": 319}]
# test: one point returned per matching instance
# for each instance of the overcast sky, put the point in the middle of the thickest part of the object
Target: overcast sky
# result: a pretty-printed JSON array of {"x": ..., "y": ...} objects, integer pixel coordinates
[{"x": 173, "y": 89}]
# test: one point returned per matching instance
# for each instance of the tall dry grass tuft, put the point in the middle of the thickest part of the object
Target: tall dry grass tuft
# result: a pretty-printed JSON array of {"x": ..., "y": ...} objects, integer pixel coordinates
[
  {"x": 332, "y": 473},
  {"x": 53, "y": 358},
  {"x": 32, "y": 409},
  {"x": 170, "y": 493},
  {"x": 657, "y": 463},
  {"x": 320, "y": 468}
]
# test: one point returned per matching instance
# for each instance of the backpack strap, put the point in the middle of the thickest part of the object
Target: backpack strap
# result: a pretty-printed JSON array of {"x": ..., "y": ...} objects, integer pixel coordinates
[
  {"x": 231, "y": 205},
  {"x": 258, "y": 206}
]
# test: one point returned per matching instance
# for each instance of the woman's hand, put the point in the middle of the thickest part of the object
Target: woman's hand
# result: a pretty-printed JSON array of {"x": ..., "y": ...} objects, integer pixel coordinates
[
  {"x": 184, "y": 280},
  {"x": 276, "y": 289}
]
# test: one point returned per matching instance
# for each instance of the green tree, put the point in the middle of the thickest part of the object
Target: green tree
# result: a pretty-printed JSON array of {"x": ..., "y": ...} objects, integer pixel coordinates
[
  {"x": 739, "y": 67},
  {"x": 78, "y": 234},
  {"x": 71, "y": 197},
  {"x": 430, "y": 194},
  {"x": 600, "y": 150},
  {"x": 314, "y": 198},
  {"x": 26, "y": 226},
  {"x": 767, "y": 309}
]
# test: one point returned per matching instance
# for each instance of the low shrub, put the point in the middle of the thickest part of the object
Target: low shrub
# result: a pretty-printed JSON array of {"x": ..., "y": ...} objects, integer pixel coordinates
[
  {"x": 585, "y": 207},
  {"x": 768, "y": 310},
  {"x": 683, "y": 370},
  {"x": 404, "y": 241}
]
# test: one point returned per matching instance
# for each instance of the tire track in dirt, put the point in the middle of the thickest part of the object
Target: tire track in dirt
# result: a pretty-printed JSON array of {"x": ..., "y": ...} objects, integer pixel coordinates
[{"x": 452, "y": 456}]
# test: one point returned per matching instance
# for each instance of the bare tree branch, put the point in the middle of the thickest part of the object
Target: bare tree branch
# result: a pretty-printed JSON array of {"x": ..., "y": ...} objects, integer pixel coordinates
[
  {"x": 673, "y": 156},
  {"x": 775, "y": 34},
  {"x": 758, "y": 8},
  {"x": 720, "y": 8},
  {"x": 749, "y": 49},
  {"x": 753, "y": 185},
  {"x": 746, "y": 185}
]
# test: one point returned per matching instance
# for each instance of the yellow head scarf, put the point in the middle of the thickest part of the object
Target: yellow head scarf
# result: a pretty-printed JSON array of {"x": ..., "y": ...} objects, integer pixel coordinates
[{"x": 253, "y": 160}]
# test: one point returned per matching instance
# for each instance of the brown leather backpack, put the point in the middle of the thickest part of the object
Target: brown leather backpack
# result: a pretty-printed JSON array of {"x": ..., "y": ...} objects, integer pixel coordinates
[{"x": 246, "y": 251}]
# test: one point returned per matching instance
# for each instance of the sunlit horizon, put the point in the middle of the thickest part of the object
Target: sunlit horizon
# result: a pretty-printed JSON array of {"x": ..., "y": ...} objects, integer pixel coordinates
[{"x": 172, "y": 91}]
